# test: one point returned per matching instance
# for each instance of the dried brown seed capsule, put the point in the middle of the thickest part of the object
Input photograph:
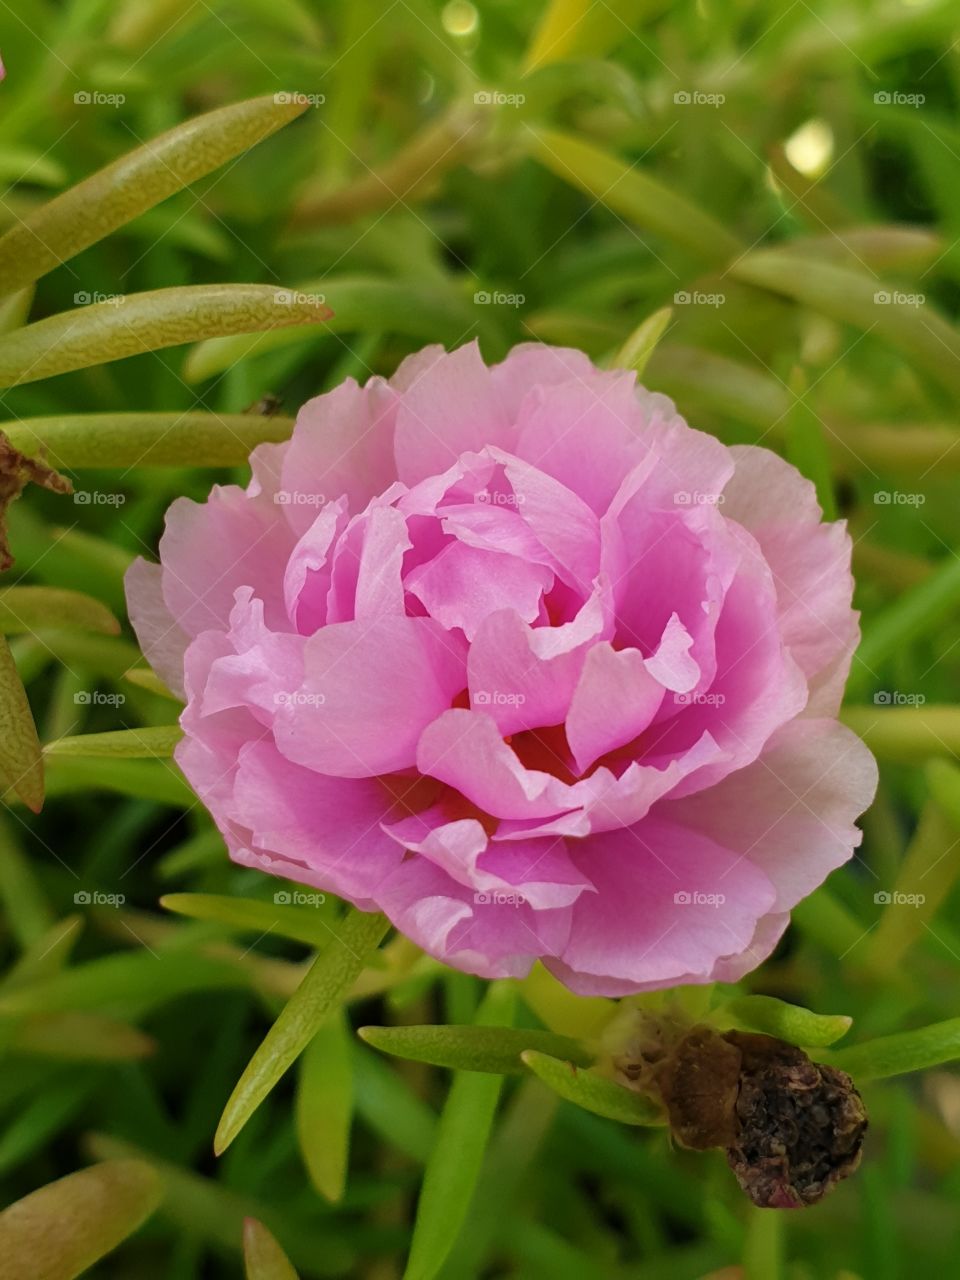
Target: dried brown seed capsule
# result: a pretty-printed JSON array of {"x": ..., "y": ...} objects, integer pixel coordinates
[
  {"x": 792, "y": 1128},
  {"x": 800, "y": 1125}
]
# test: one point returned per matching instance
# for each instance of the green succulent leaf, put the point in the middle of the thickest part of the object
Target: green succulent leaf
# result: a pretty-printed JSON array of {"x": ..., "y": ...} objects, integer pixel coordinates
[
  {"x": 59, "y": 1231},
  {"x": 263, "y": 1258},
  {"x": 123, "y": 440},
  {"x": 454, "y": 1165},
  {"x": 150, "y": 742},
  {"x": 119, "y": 193},
  {"x": 23, "y": 609},
  {"x": 324, "y": 1106},
  {"x": 905, "y": 1051},
  {"x": 593, "y": 1092},
  {"x": 627, "y": 190},
  {"x": 788, "y": 1022},
  {"x": 286, "y": 920},
  {"x": 322, "y": 989},
  {"x": 21, "y": 759},
  {"x": 141, "y": 322},
  {"x": 492, "y": 1049}
]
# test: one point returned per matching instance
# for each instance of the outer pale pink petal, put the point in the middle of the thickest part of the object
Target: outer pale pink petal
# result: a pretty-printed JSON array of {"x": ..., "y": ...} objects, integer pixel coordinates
[
  {"x": 524, "y": 677},
  {"x": 318, "y": 830},
  {"x": 668, "y": 905},
  {"x": 209, "y": 549},
  {"x": 342, "y": 445},
  {"x": 792, "y": 811},
  {"x": 449, "y": 406},
  {"x": 586, "y": 434},
  {"x": 370, "y": 690},
  {"x": 614, "y": 701},
  {"x": 161, "y": 639},
  {"x": 533, "y": 364},
  {"x": 463, "y": 585},
  {"x": 811, "y": 566},
  {"x": 693, "y": 467}
]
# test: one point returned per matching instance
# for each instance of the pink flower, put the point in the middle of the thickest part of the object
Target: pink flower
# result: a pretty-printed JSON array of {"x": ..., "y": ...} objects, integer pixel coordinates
[{"x": 517, "y": 657}]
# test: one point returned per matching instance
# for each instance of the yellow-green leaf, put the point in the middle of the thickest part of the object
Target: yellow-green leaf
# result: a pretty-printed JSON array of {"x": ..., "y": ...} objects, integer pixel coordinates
[
  {"x": 147, "y": 439},
  {"x": 149, "y": 742},
  {"x": 139, "y": 322},
  {"x": 642, "y": 343},
  {"x": 455, "y": 1162},
  {"x": 593, "y": 1092},
  {"x": 23, "y": 609},
  {"x": 137, "y": 181},
  {"x": 324, "y": 1106},
  {"x": 325, "y": 984},
  {"x": 262, "y": 1256},
  {"x": 285, "y": 919},
  {"x": 904, "y": 320},
  {"x": 81, "y": 1037},
  {"x": 628, "y": 190},
  {"x": 21, "y": 760},
  {"x": 471, "y": 1048},
  {"x": 788, "y": 1022},
  {"x": 61, "y": 1230}
]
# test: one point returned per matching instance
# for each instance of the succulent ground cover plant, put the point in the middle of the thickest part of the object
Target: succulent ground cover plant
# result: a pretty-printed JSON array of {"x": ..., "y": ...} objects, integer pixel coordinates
[{"x": 459, "y": 816}]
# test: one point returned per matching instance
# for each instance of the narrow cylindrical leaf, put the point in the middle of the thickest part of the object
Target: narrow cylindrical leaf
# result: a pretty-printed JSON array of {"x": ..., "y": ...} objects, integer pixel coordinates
[
  {"x": 906, "y": 1051},
  {"x": 943, "y": 779},
  {"x": 914, "y": 613},
  {"x": 143, "y": 322},
  {"x": 324, "y": 1106},
  {"x": 61, "y": 1230},
  {"x": 416, "y": 166},
  {"x": 926, "y": 875},
  {"x": 592, "y": 1092},
  {"x": 136, "y": 182},
  {"x": 641, "y": 344},
  {"x": 416, "y": 310},
  {"x": 493, "y": 1049},
  {"x": 454, "y": 1166},
  {"x": 906, "y": 735},
  {"x": 281, "y": 917},
  {"x": 262, "y": 1256},
  {"x": 556, "y": 33},
  {"x": 23, "y": 609},
  {"x": 326, "y": 983},
  {"x": 81, "y": 1037},
  {"x": 156, "y": 780},
  {"x": 913, "y": 328},
  {"x": 627, "y": 190},
  {"x": 123, "y": 440},
  {"x": 21, "y": 759},
  {"x": 149, "y": 742},
  {"x": 788, "y": 1022}
]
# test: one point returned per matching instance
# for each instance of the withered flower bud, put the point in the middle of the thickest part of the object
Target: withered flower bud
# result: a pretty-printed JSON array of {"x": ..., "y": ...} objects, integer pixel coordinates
[
  {"x": 792, "y": 1128},
  {"x": 16, "y": 471},
  {"x": 800, "y": 1125}
]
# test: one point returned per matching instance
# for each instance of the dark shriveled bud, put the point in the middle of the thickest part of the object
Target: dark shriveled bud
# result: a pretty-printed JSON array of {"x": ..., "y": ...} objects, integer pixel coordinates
[
  {"x": 16, "y": 471},
  {"x": 792, "y": 1128},
  {"x": 800, "y": 1125}
]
